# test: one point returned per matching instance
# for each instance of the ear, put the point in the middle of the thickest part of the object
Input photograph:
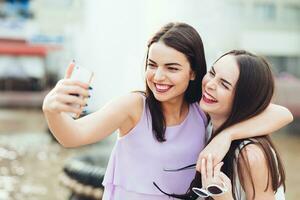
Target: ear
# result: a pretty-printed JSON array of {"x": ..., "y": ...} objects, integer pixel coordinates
[{"x": 193, "y": 76}]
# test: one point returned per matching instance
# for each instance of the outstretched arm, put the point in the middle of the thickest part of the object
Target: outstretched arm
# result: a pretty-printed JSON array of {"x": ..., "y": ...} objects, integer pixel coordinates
[
  {"x": 271, "y": 119},
  {"x": 91, "y": 128}
]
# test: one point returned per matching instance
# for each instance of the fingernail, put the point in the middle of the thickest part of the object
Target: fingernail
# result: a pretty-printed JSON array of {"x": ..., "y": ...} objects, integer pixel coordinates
[{"x": 90, "y": 88}]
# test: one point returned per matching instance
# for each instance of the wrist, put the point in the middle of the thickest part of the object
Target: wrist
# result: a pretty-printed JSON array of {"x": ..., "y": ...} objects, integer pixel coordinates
[
  {"x": 228, "y": 134},
  {"x": 49, "y": 112}
]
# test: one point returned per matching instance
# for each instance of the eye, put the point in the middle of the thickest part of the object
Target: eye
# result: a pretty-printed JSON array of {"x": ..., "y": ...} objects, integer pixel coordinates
[
  {"x": 211, "y": 73},
  {"x": 174, "y": 69},
  {"x": 225, "y": 86},
  {"x": 151, "y": 66}
]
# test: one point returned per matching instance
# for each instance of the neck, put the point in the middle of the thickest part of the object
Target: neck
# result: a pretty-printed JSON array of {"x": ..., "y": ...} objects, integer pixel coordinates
[
  {"x": 217, "y": 121},
  {"x": 174, "y": 111}
]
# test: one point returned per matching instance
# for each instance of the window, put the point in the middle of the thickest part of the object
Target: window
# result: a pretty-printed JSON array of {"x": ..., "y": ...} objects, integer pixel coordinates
[
  {"x": 265, "y": 11},
  {"x": 285, "y": 65},
  {"x": 291, "y": 13}
]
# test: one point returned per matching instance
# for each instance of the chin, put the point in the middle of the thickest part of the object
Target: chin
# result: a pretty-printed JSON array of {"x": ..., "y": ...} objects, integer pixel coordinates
[
  {"x": 207, "y": 108},
  {"x": 203, "y": 106},
  {"x": 161, "y": 98}
]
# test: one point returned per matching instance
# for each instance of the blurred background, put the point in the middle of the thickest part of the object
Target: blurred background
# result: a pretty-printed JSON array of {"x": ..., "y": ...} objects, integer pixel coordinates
[{"x": 39, "y": 38}]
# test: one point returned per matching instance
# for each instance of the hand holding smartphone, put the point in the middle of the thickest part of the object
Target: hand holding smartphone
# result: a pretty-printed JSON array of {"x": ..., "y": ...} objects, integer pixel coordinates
[{"x": 83, "y": 75}]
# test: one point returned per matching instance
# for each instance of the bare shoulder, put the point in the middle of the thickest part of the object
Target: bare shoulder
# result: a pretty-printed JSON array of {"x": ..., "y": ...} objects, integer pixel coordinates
[
  {"x": 255, "y": 161},
  {"x": 258, "y": 173},
  {"x": 254, "y": 155},
  {"x": 133, "y": 105}
]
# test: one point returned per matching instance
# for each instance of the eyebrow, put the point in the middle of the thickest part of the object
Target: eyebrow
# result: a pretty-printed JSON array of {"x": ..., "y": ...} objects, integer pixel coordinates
[
  {"x": 222, "y": 79},
  {"x": 167, "y": 64}
]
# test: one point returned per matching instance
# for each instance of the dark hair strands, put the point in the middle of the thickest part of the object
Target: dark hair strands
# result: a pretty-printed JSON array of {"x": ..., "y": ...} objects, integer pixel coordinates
[{"x": 257, "y": 84}]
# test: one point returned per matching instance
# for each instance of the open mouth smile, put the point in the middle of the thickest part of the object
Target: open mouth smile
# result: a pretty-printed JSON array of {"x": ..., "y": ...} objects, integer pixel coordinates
[
  {"x": 162, "y": 87},
  {"x": 207, "y": 98}
]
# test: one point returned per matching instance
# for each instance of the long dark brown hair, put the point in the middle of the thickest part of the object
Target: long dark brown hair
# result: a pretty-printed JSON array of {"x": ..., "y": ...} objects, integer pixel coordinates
[
  {"x": 185, "y": 39},
  {"x": 253, "y": 93}
]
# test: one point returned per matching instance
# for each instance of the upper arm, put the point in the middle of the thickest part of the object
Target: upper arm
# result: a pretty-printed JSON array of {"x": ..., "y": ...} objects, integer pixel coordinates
[
  {"x": 259, "y": 173},
  {"x": 124, "y": 111}
]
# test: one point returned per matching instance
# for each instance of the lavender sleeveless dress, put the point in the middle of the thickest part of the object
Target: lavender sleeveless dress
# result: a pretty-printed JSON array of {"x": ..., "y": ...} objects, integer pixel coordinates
[{"x": 138, "y": 159}]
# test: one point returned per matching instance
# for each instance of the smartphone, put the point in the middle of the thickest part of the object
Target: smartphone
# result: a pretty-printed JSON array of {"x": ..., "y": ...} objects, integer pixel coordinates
[{"x": 83, "y": 75}]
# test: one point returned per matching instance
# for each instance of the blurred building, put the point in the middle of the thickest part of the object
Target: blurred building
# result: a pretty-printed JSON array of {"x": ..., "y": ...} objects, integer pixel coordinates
[
  {"x": 110, "y": 37},
  {"x": 266, "y": 27},
  {"x": 271, "y": 28},
  {"x": 32, "y": 48}
]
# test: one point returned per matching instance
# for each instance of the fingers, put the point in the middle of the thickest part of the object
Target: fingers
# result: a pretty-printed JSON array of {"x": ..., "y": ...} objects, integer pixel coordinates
[
  {"x": 71, "y": 99},
  {"x": 201, "y": 156},
  {"x": 198, "y": 164},
  {"x": 71, "y": 89},
  {"x": 206, "y": 170},
  {"x": 209, "y": 173},
  {"x": 68, "y": 108},
  {"x": 73, "y": 83},
  {"x": 69, "y": 70},
  {"x": 209, "y": 165},
  {"x": 225, "y": 179},
  {"x": 217, "y": 169},
  {"x": 66, "y": 103},
  {"x": 204, "y": 154},
  {"x": 67, "y": 86},
  {"x": 203, "y": 172},
  {"x": 65, "y": 95}
]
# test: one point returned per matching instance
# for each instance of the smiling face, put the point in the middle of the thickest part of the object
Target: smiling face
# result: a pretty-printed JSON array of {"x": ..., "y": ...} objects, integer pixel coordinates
[
  {"x": 218, "y": 87},
  {"x": 168, "y": 72}
]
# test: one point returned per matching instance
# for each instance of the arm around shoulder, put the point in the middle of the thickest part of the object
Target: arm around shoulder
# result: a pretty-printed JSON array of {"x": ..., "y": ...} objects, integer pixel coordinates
[
  {"x": 281, "y": 113},
  {"x": 273, "y": 118}
]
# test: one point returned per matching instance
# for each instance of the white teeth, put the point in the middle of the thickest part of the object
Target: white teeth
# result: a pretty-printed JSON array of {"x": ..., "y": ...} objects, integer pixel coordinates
[
  {"x": 162, "y": 87},
  {"x": 209, "y": 98}
]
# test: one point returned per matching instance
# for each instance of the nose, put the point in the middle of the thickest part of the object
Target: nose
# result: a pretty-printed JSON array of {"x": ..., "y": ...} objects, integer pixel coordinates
[
  {"x": 211, "y": 84},
  {"x": 159, "y": 74}
]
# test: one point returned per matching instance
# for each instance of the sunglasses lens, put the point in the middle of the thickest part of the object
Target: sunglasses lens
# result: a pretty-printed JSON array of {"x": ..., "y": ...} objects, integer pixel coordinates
[
  {"x": 214, "y": 189},
  {"x": 200, "y": 192}
]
